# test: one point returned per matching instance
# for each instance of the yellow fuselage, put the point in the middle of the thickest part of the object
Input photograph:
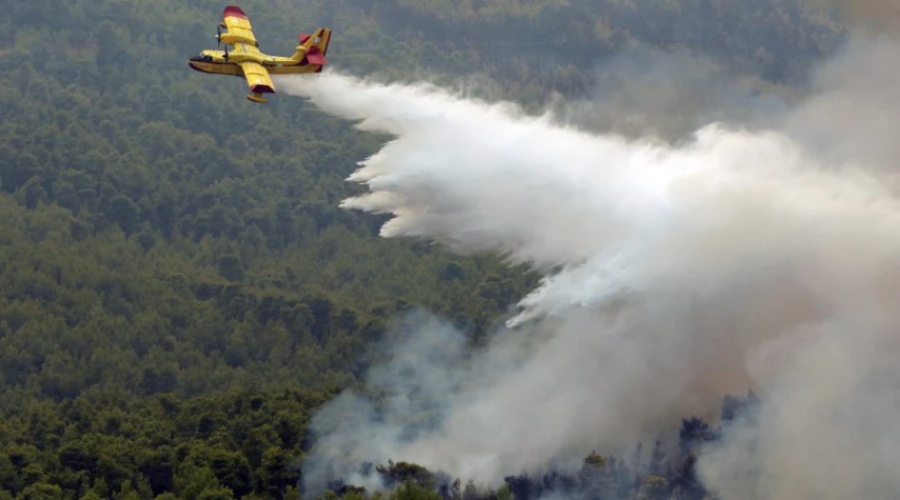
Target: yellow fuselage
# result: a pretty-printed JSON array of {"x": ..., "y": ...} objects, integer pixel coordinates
[{"x": 213, "y": 61}]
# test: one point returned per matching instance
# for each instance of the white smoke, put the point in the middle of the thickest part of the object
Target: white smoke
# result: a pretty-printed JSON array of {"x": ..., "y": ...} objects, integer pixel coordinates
[{"x": 679, "y": 274}]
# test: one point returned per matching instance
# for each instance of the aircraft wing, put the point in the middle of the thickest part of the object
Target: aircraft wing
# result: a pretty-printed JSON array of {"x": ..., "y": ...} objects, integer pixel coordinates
[
  {"x": 238, "y": 25},
  {"x": 257, "y": 78}
]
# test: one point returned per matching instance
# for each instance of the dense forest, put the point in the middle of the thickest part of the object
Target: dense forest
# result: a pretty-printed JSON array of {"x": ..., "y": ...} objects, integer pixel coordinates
[{"x": 180, "y": 290}]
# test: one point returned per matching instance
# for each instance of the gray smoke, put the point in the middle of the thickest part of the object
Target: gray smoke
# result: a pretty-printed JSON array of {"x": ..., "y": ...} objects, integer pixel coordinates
[
  {"x": 829, "y": 428},
  {"x": 873, "y": 16},
  {"x": 650, "y": 93},
  {"x": 764, "y": 258},
  {"x": 850, "y": 117}
]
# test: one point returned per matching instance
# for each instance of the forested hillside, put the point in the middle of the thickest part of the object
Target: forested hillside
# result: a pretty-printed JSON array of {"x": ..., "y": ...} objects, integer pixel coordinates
[{"x": 179, "y": 287}]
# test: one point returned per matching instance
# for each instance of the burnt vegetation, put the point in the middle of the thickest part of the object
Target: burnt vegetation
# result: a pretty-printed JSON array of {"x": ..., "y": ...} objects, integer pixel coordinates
[{"x": 665, "y": 471}]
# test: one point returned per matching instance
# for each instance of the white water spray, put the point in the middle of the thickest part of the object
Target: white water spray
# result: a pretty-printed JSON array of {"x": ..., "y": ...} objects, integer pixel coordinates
[{"x": 681, "y": 274}]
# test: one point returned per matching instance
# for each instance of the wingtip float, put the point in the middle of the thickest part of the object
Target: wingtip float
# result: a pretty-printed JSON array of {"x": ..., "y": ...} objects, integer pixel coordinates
[{"x": 241, "y": 55}]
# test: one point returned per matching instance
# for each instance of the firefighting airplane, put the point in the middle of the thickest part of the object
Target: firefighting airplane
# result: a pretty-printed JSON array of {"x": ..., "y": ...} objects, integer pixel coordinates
[{"x": 245, "y": 59}]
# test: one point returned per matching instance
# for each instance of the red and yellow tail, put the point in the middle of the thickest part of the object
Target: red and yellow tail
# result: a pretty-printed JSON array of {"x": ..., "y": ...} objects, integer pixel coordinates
[{"x": 312, "y": 48}]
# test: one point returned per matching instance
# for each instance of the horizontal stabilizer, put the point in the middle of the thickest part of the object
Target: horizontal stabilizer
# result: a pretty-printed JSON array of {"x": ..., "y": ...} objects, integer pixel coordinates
[{"x": 315, "y": 56}]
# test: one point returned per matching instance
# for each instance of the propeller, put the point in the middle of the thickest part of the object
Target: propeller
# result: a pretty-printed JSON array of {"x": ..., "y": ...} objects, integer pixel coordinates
[{"x": 219, "y": 40}]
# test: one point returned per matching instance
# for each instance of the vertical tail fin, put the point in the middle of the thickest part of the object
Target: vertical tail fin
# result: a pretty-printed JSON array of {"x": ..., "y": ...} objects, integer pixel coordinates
[{"x": 312, "y": 48}]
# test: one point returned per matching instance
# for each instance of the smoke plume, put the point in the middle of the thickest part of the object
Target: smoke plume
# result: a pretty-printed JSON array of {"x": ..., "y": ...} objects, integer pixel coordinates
[
  {"x": 647, "y": 92},
  {"x": 866, "y": 15},
  {"x": 675, "y": 274}
]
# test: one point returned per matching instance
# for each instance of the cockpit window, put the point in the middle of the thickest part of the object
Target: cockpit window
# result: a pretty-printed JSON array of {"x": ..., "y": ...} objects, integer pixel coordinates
[{"x": 203, "y": 58}]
